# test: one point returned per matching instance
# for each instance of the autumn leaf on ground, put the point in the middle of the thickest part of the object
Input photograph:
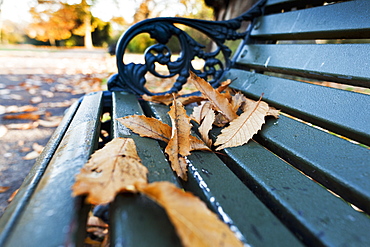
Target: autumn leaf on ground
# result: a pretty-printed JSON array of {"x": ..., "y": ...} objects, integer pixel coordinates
[
  {"x": 4, "y": 189},
  {"x": 29, "y": 116},
  {"x": 110, "y": 170},
  {"x": 242, "y": 129},
  {"x": 194, "y": 223},
  {"x": 218, "y": 100},
  {"x": 179, "y": 145}
]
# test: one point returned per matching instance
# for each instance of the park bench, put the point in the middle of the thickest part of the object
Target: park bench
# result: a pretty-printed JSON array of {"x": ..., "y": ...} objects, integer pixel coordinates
[{"x": 304, "y": 179}]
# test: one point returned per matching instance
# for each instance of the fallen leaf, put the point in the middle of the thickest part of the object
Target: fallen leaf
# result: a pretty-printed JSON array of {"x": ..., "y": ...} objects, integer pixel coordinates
[
  {"x": 28, "y": 116},
  {"x": 23, "y": 126},
  {"x": 196, "y": 144},
  {"x": 147, "y": 127},
  {"x": 17, "y": 109},
  {"x": 51, "y": 123},
  {"x": 154, "y": 128},
  {"x": 199, "y": 112},
  {"x": 194, "y": 223},
  {"x": 273, "y": 112},
  {"x": 113, "y": 169},
  {"x": 163, "y": 99},
  {"x": 10, "y": 199},
  {"x": 218, "y": 100},
  {"x": 35, "y": 100},
  {"x": 179, "y": 145},
  {"x": 4, "y": 189},
  {"x": 3, "y": 130},
  {"x": 242, "y": 129},
  {"x": 206, "y": 126},
  {"x": 31, "y": 155},
  {"x": 224, "y": 85}
]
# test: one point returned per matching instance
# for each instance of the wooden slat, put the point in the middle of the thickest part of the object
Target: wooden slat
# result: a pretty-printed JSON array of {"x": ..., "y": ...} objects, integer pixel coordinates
[
  {"x": 327, "y": 62},
  {"x": 52, "y": 217},
  {"x": 341, "y": 166},
  {"x": 227, "y": 196},
  {"x": 276, "y": 6},
  {"x": 312, "y": 212},
  {"x": 20, "y": 201},
  {"x": 136, "y": 220},
  {"x": 337, "y": 21},
  {"x": 342, "y": 112}
]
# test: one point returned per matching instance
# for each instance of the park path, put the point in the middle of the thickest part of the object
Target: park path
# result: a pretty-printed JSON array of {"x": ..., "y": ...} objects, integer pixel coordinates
[{"x": 36, "y": 87}]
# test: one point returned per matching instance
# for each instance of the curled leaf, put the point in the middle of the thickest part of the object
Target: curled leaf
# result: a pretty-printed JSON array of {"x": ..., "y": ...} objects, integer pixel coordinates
[
  {"x": 110, "y": 170},
  {"x": 194, "y": 223},
  {"x": 218, "y": 100},
  {"x": 179, "y": 145}
]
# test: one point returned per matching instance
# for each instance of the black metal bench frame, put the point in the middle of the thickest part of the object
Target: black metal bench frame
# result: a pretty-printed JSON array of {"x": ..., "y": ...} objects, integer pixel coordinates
[{"x": 293, "y": 184}]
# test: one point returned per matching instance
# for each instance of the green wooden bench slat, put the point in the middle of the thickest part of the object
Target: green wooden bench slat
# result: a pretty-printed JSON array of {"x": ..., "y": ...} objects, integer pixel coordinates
[
  {"x": 326, "y": 62},
  {"x": 133, "y": 218},
  {"x": 231, "y": 199},
  {"x": 340, "y": 111},
  {"x": 309, "y": 210},
  {"x": 339, "y": 165},
  {"x": 337, "y": 21},
  {"x": 56, "y": 216},
  {"x": 20, "y": 201}
]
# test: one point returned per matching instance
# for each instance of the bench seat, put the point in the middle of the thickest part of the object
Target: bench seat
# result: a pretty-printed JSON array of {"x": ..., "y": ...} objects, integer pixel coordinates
[{"x": 304, "y": 179}]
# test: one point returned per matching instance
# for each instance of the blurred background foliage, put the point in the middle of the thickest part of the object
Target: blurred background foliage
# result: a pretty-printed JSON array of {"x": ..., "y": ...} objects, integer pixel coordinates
[{"x": 68, "y": 23}]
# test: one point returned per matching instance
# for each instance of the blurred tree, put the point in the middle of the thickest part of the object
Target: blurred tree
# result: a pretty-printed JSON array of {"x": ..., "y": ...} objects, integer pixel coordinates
[
  {"x": 1, "y": 22},
  {"x": 50, "y": 25},
  {"x": 57, "y": 20}
]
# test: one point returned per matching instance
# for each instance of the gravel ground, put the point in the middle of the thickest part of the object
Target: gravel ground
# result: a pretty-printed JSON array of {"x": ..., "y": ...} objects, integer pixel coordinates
[{"x": 39, "y": 84}]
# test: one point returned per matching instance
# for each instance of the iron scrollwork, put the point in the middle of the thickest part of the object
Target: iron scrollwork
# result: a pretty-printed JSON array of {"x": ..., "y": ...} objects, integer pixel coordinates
[{"x": 130, "y": 76}]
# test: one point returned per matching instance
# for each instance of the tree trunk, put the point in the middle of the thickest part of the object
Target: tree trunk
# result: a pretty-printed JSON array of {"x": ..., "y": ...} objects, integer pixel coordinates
[
  {"x": 87, "y": 24},
  {"x": 88, "y": 34}
]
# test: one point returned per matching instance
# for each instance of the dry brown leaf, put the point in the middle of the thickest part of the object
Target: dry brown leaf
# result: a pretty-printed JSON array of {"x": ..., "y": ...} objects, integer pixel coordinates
[
  {"x": 248, "y": 103},
  {"x": 163, "y": 99},
  {"x": 199, "y": 112},
  {"x": 23, "y": 126},
  {"x": 179, "y": 145},
  {"x": 53, "y": 122},
  {"x": 194, "y": 223},
  {"x": 147, "y": 127},
  {"x": 17, "y": 109},
  {"x": 206, "y": 126},
  {"x": 10, "y": 199},
  {"x": 196, "y": 144},
  {"x": 30, "y": 116},
  {"x": 224, "y": 85},
  {"x": 153, "y": 128},
  {"x": 237, "y": 100},
  {"x": 110, "y": 170},
  {"x": 168, "y": 98},
  {"x": 242, "y": 129},
  {"x": 4, "y": 189},
  {"x": 190, "y": 99},
  {"x": 273, "y": 112},
  {"x": 31, "y": 155},
  {"x": 218, "y": 100}
]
